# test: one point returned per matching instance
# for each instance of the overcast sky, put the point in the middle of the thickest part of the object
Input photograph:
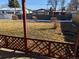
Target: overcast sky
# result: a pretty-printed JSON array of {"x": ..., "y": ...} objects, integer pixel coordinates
[{"x": 31, "y": 4}]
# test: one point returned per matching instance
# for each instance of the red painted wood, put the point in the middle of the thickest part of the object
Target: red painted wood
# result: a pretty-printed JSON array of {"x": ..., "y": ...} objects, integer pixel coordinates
[{"x": 24, "y": 23}]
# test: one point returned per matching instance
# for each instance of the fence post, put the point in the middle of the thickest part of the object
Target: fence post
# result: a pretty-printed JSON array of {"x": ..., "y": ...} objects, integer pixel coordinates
[
  {"x": 6, "y": 42},
  {"x": 49, "y": 49},
  {"x": 77, "y": 44}
]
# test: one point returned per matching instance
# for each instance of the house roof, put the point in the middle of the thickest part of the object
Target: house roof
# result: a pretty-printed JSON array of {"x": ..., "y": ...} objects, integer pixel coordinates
[
  {"x": 40, "y": 10},
  {"x": 10, "y": 9},
  {"x": 13, "y": 9}
]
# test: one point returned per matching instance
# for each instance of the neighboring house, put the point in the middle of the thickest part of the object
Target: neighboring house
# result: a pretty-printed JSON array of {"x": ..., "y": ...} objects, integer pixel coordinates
[
  {"x": 45, "y": 14},
  {"x": 73, "y": 12},
  {"x": 41, "y": 12},
  {"x": 29, "y": 11},
  {"x": 12, "y": 10},
  {"x": 74, "y": 5},
  {"x": 6, "y": 13}
]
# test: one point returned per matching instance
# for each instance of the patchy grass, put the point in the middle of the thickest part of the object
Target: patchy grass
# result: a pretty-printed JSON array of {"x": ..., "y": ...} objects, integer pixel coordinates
[{"x": 35, "y": 30}]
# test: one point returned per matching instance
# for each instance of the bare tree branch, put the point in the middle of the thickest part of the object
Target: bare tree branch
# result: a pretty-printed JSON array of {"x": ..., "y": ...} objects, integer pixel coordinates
[{"x": 53, "y": 3}]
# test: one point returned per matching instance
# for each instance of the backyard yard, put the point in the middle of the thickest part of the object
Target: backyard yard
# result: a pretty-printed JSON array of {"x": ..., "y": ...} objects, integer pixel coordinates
[{"x": 37, "y": 30}]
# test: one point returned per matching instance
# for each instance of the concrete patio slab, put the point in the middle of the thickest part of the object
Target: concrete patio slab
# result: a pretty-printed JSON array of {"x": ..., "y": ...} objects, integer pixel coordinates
[{"x": 10, "y": 54}]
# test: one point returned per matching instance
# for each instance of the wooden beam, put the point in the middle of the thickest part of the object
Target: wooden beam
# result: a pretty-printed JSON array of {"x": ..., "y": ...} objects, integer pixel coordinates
[{"x": 24, "y": 23}]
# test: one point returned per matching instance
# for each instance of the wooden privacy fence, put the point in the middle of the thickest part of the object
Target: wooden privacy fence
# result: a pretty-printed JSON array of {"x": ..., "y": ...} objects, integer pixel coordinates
[{"x": 42, "y": 47}]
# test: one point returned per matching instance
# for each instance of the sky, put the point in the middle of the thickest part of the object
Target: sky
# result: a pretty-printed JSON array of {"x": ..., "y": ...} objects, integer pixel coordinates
[{"x": 30, "y": 4}]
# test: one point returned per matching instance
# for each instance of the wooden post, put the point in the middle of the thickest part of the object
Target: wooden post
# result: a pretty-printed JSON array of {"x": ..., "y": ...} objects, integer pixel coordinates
[
  {"x": 77, "y": 44},
  {"x": 49, "y": 49},
  {"x": 24, "y": 23}
]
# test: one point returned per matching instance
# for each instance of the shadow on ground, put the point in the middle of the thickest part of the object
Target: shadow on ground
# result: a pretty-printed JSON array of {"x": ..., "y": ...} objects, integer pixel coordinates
[
  {"x": 16, "y": 55},
  {"x": 69, "y": 31}
]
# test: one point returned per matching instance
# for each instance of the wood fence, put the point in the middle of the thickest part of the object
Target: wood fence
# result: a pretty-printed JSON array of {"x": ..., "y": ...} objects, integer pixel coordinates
[{"x": 41, "y": 47}]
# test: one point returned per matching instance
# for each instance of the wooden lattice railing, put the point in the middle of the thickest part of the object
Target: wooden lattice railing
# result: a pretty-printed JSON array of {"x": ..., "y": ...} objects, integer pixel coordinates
[
  {"x": 16, "y": 43},
  {"x": 42, "y": 47},
  {"x": 51, "y": 49}
]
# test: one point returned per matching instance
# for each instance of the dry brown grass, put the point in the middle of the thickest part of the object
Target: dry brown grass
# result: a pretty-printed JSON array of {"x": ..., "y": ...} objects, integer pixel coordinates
[{"x": 35, "y": 30}]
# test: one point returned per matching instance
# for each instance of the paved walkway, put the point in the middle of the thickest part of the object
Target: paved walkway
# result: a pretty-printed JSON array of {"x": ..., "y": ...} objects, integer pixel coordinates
[{"x": 9, "y": 54}]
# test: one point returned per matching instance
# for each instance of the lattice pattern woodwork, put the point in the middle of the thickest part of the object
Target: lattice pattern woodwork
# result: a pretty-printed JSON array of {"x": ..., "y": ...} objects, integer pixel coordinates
[
  {"x": 16, "y": 43},
  {"x": 42, "y": 47},
  {"x": 37, "y": 46},
  {"x": 11, "y": 42},
  {"x": 2, "y": 41},
  {"x": 51, "y": 49}
]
